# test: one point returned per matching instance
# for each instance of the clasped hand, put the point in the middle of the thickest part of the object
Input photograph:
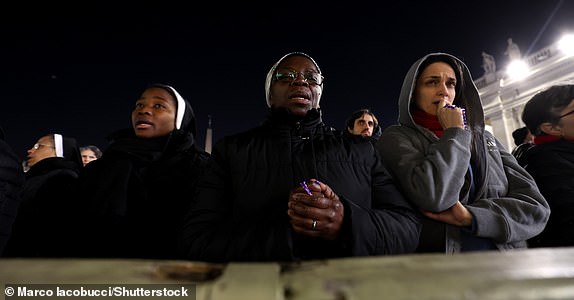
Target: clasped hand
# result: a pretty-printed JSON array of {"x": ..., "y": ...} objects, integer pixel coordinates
[
  {"x": 449, "y": 115},
  {"x": 315, "y": 211}
]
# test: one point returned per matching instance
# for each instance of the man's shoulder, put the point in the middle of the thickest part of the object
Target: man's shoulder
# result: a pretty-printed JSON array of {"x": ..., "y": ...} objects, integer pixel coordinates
[{"x": 522, "y": 148}]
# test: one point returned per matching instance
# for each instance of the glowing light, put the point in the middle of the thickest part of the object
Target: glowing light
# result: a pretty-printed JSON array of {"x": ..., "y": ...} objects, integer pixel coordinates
[
  {"x": 566, "y": 44},
  {"x": 517, "y": 69}
]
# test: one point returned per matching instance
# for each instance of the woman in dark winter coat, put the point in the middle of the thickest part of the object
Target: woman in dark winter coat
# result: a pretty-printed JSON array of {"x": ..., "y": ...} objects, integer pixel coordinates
[
  {"x": 549, "y": 115},
  {"x": 295, "y": 188},
  {"x": 139, "y": 190},
  {"x": 43, "y": 225}
]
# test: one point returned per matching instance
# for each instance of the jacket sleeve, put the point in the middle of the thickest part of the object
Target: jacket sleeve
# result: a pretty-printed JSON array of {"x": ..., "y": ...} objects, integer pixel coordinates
[
  {"x": 517, "y": 215},
  {"x": 428, "y": 173},
  {"x": 390, "y": 226},
  {"x": 212, "y": 232}
]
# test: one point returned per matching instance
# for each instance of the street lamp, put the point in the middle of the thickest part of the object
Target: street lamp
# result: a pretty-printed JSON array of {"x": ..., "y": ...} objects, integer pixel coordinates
[
  {"x": 566, "y": 44},
  {"x": 517, "y": 69}
]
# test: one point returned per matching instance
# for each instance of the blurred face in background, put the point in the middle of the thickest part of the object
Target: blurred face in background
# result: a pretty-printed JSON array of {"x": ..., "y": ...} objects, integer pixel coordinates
[
  {"x": 566, "y": 122},
  {"x": 154, "y": 114},
  {"x": 529, "y": 138},
  {"x": 88, "y": 156},
  {"x": 43, "y": 148},
  {"x": 363, "y": 126}
]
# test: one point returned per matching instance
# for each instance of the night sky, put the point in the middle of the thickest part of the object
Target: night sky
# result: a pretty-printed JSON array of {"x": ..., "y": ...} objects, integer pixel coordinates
[{"x": 78, "y": 70}]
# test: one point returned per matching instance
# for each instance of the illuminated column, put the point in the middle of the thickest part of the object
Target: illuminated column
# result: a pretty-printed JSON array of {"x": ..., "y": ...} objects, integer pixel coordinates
[{"x": 208, "y": 136}]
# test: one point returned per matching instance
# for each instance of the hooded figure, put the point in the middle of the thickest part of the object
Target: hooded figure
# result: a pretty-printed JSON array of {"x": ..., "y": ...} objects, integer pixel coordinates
[
  {"x": 137, "y": 192},
  {"x": 245, "y": 209},
  {"x": 460, "y": 173},
  {"x": 42, "y": 226}
]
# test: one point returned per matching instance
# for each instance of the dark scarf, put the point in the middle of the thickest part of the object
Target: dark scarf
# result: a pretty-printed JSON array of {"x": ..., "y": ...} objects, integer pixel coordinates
[
  {"x": 150, "y": 149},
  {"x": 427, "y": 121},
  {"x": 125, "y": 163},
  {"x": 139, "y": 150},
  {"x": 281, "y": 116}
]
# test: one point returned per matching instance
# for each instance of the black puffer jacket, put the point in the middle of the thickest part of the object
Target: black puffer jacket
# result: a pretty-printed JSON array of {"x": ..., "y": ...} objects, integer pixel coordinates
[{"x": 241, "y": 207}]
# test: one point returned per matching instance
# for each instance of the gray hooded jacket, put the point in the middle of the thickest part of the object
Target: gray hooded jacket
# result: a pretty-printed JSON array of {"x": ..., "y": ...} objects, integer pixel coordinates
[{"x": 433, "y": 172}]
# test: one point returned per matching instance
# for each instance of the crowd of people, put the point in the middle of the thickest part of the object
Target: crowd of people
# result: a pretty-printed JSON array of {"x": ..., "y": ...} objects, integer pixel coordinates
[{"x": 295, "y": 188}]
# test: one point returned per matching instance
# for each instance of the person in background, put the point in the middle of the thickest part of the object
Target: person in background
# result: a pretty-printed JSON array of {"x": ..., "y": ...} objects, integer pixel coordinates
[
  {"x": 522, "y": 135},
  {"x": 294, "y": 188},
  {"x": 549, "y": 115},
  {"x": 363, "y": 122},
  {"x": 473, "y": 192},
  {"x": 90, "y": 153},
  {"x": 523, "y": 140},
  {"x": 43, "y": 225},
  {"x": 136, "y": 194},
  {"x": 11, "y": 181}
]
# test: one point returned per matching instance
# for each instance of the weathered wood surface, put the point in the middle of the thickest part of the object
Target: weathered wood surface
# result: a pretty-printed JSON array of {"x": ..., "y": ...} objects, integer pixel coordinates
[{"x": 521, "y": 274}]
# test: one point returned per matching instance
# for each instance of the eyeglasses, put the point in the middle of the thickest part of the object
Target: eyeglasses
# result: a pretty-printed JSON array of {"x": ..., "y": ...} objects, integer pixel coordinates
[
  {"x": 287, "y": 75},
  {"x": 38, "y": 146},
  {"x": 566, "y": 114}
]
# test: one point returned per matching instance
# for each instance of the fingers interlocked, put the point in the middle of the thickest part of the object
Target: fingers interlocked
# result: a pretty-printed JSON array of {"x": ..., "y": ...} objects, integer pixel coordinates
[{"x": 315, "y": 210}]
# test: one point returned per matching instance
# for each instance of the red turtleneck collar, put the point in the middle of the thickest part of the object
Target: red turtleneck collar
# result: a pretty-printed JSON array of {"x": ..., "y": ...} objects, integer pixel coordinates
[{"x": 427, "y": 121}]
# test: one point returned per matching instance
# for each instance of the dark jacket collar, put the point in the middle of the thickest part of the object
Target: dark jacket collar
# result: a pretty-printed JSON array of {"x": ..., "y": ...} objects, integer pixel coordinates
[
  {"x": 282, "y": 117},
  {"x": 49, "y": 164}
]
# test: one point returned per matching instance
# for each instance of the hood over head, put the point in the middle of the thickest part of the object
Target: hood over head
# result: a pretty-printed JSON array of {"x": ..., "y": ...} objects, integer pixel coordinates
[
  {"x": 184, "y": 116},
  {"x": 269, "y": 78},
  {"x": 466, "y": 97},
  {"x": 67, "y": 148},
  {"x": 181, "y": 138}
]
